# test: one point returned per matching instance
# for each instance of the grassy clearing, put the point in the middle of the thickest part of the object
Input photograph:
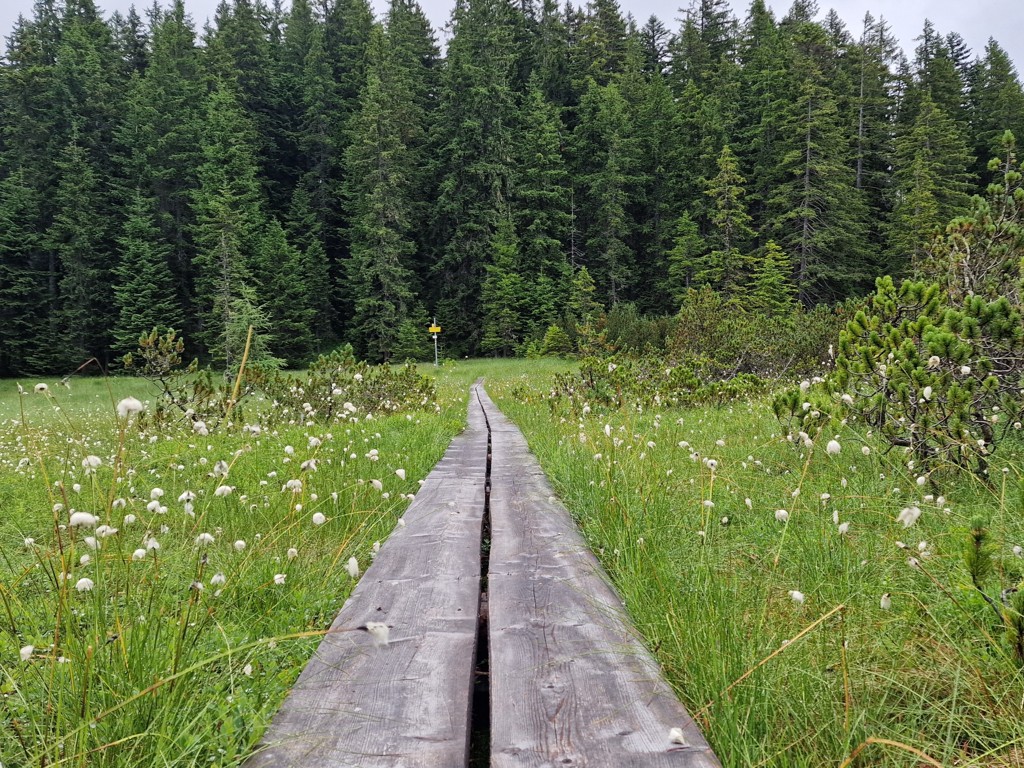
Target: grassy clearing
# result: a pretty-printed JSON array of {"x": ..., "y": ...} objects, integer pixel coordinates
[
  {"x": 712, "y": 577},
  {"x": 145, "y": 670},
  {"x": 172, "y": 639}
]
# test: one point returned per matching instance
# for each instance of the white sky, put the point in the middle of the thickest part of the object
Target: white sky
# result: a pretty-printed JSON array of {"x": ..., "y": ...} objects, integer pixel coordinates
[{"x": 977, "y": 20}]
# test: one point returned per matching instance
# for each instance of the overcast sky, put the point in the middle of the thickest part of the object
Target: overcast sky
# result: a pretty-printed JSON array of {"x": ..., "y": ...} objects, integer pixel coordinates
[{"x": 977, "y": 20}]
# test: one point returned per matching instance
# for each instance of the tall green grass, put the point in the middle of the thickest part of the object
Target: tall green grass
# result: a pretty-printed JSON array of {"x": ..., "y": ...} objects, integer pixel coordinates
[
  {"x": 710, "y": 580},
  {"x": 182, "y": 649}
]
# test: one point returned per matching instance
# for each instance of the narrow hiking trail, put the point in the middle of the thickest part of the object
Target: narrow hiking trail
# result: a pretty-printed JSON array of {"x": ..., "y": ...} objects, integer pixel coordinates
[{"x": 504, "y": 638}]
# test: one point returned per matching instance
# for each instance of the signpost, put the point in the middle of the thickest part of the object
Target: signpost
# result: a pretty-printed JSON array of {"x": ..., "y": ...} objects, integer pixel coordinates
[{"x": 435, "y": 329}]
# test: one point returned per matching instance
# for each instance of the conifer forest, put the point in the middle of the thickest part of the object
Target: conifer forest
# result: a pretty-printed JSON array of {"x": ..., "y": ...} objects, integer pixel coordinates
[{"x": 326, "y": 176}]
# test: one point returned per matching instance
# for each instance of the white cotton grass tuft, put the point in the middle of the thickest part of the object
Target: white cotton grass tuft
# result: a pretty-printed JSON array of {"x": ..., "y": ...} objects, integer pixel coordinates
[
  {"x": 218, "y": 580},
  {"x": 908, "y": 516},
  {"x": 319, "y": 518},
  {"x": 1018, "y": 550},
  {"x": 782, "y": 515},
  {"x": 843, "y": 529},
  {"x": 400, "y": 473},
  {"x": 41, "y": 388},
  {"x": 676, "y": 736},
  {"x": 379, "y": 632},
  {"x": 279, "y": 578},
  {"x": 886, "y": 602},
  {"x": 82, "y": 520},
  {"x": 129, "y": 406},
  {"x": 26, "y": 653},
  {"x": 224, "y": 490},
  {"x": 797, "y": 596},
  {"x": 352, "y": 566},
  {"x": 833, "y": 448},
  {"x": 85, "y": 585},
  {"x": 91, "y": 462},
  {"x": 204, "y": 539},
  {"x": 239, "y": 546},
  {"x": 377, "y": 484},
  {"x": 292, "y": 553},
  {"x": 139, "y": 554}
]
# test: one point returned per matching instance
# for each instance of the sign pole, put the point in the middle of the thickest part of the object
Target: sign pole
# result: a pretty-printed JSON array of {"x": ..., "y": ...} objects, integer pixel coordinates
[{"x": 435, "y": 342}]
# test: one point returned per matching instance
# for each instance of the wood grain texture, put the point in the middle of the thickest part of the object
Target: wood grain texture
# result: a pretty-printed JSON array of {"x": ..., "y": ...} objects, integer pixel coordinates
[
  {"x": 571, "y": 682},
  {"x": 406, "y": 704}
]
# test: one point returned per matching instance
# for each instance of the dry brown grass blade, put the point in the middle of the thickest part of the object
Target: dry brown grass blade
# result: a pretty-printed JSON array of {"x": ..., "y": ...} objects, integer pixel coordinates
[
  {"x": 889, "y": 743},
  {"x": 809, "y": 628}
]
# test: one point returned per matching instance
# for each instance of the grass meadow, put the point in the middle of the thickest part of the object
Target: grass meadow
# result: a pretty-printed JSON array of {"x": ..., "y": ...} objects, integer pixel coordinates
[
  {"x": 801, "y": 621},
  {"x": 166, "y": 630},
  {"x": 798, "y": 618}
]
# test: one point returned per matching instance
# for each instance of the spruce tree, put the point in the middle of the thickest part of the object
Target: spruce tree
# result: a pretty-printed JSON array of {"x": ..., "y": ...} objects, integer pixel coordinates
[
  {"x": 79, "y": 239},
  {"x": 688, "y": 249},
  {"x": 770, "y": 291},
  {"x": 229, "y": 223},
  {"x": 378, "y": 200},
  {"x": 726, "y": 266},
  {"x": 473, "y": 133},
  {"x": 503, "y": 294},
  {"x": 818, "y": 215},
  {"x": 144, "y": 286},
  {"x": 931, "y": 180},
  {"x": 23, "y": 279},
  {"x": 540, "y": 199}
]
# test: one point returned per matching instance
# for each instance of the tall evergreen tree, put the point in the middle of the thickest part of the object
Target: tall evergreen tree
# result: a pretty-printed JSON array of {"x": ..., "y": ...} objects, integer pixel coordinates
[
  {"x": 144, "y": 287},
  {"x": 378, "y": 199},
  {"x": 930, "y": 181},
  {"x": 230, "y": 221},
  {"x": 503, "y": 294},
  {"x": 473, "y": 132}
]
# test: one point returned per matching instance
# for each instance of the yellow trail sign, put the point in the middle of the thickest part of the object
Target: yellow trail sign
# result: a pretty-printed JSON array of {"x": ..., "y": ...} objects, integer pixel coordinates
[{"x": 435, "y": 329}]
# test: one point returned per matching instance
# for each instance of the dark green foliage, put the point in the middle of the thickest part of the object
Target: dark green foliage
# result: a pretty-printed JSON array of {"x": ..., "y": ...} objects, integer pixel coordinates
[
  {"x": 503, "y": 295},
  {"x": 144, "y": 287},
  {"x": 935, "y": 374},
  {"x": 333, "y": 177}
]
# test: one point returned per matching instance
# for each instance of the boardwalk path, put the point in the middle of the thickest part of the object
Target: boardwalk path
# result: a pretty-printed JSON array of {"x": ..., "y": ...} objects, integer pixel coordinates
[{"x": 571, "y": 684}]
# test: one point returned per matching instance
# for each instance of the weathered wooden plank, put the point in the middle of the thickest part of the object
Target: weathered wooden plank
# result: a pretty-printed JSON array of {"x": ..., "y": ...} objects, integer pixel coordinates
[
  {"x": 405, "y": 704},
  {"x": 571, "y": 682}
]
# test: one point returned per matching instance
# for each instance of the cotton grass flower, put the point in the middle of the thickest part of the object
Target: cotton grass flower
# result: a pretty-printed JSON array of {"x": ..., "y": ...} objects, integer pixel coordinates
[
  {"x": 219, "y": 579},
  {"x": 203, "y": 539},
  {"x": 224, "y": 490},
  {"x": 676, "y": 736},
  {"x": 82, "y": 520},
  {"x": 139, "y": 554},
  {"x": 352, "y": 566},
  {"x": 797, "y": 596},
  {"x": 1018, "y": 551},
  {"x": 782, "y": 515},
  {"x": 26, "y": 653},
  {"x": 377, "y": 484},
  {"x": 84, "y": 585},
  {"x": 279, "y": 578},
  {"x": 833, "y": 448},
  {"x": 129, "y": 406},
  {"x": 41, "y": 389},
  {"x": 400, "y": 473},
  {"x": 843, "y": 529},
  {"x": 886, "y": 602},
  {"x": 292, "y": 553},
  {"x": 378, "y": 631},
  {"x": 319, "y": 518},
  {"x": 239, "y": 545},
  {"x": 91, "y": 462},
  {"x": 908, "y": 516}
]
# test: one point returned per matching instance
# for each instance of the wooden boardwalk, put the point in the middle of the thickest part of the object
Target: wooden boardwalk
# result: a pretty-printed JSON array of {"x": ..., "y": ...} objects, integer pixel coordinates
[{"x": 571, "y": 683}]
